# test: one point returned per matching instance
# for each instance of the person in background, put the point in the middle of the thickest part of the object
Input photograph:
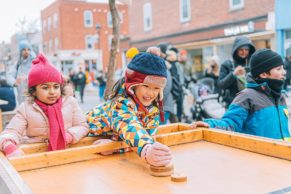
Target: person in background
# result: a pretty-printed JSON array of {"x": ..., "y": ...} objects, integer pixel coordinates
[
  {"x": 81, "y": 83},
  {"x": 260, "y": 109},
  {"x": 102, "y": 84},
  {"x": 177, "y": 80},
  {"x": 19, "y": 73},
  {"x": 6, "y": 91},
  {"x": 48, "y": 116},
  {"x": 168, "y": 101},
  {"x": 287, "y": 66},
  {"x": 134, "y": 108},
  {"x": 73, "y": 80},
  {"x": 213, "y": 71},
  {"x": 232, "y": 75}
]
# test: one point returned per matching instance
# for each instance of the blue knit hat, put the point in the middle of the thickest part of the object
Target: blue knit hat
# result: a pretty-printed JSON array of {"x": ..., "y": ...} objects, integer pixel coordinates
[
  {"x": 23, "y": 44},
  {"x": 147, "y": 63}
]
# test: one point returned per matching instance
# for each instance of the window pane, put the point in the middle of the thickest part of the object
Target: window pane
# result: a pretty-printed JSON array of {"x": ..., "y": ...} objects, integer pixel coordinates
[
  {"x": 236, "y": 2},
  {"x": 88, "y": 19},
  {"x": 147, "y": 12},
  {"x": 185, "y": 9}
]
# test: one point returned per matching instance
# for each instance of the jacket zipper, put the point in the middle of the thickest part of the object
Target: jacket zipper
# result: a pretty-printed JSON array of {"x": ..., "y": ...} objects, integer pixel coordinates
[{"x": 278, "y": 111}]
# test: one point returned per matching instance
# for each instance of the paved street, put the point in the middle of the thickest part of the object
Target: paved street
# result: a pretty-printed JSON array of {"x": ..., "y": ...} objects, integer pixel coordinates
[{"x": 91, "y": 98}]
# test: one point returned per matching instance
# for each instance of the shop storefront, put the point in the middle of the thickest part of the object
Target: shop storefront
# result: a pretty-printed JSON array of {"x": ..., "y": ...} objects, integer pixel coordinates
[{"x": 199, "y": 53}]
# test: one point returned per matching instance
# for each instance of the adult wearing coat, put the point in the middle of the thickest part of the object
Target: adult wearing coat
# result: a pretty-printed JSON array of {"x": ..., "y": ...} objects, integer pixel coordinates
[
  {"x": 232, "y": 72},
  {"x": 19, "y": 73},
  {"x": 287, "y": 66}
]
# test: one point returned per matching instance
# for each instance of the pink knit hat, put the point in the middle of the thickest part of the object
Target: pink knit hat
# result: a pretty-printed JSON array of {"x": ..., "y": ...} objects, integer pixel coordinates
[{"x": 43, "y": 71}]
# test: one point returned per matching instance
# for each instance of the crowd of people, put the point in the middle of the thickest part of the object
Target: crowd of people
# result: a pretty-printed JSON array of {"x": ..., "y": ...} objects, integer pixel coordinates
[{"x": 150, "y": 93}]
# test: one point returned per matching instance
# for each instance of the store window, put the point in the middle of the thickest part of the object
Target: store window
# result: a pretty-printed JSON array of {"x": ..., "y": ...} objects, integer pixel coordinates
[
  {"x": 185, "y": 10},
  {"x": 288, "y": 42},
  {"x": 197, "y": 61},
  {"x": 147, "y": 17},
  {"x": 236, "y": 4},
  {"x": 224, "y": 52}
]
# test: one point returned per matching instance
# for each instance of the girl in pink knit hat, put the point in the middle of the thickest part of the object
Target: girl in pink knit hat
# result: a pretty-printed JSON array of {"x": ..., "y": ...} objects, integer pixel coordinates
[{"x": 49, "y": 116}]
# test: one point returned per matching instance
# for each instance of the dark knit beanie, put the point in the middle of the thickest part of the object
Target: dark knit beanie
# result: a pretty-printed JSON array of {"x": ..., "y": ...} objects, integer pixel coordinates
[
  {"x": 263, "y": 60},
  {"x": 163, "y": 47},
  {"x": 174, "y": 49},
  {"x": 148, "y": 64}
]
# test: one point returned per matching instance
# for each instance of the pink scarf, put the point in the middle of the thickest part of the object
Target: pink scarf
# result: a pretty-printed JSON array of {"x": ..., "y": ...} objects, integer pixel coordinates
[{"x": 57, "y": 136}]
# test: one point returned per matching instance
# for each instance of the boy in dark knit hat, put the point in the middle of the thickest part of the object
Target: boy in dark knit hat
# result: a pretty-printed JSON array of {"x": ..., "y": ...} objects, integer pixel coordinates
[
  {"x": 260, "y": 109},
  {"x": 134, "y": 108}
]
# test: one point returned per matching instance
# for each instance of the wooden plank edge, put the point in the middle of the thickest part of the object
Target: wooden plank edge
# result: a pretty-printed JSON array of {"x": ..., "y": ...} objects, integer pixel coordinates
[
  {"x": 180, "y": 137},
  {"x": 77, "y": 154},
  {"x": 10, "y": 180},
  {"x": 47, "y": 159},
  {"x": 260, "y": 145},
  {"x": 42, "y": 147}
]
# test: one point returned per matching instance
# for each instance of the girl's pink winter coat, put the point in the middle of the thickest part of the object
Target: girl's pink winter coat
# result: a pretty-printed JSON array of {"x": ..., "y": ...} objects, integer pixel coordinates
[{"x": 30, "y": 124}]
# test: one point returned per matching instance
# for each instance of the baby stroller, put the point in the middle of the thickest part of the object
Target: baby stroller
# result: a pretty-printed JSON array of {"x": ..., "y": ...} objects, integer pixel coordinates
[{"x": 206, "y": 102}]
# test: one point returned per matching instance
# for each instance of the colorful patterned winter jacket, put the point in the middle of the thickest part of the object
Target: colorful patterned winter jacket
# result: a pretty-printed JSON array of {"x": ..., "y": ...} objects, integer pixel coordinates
[
  {"x": 121, "y": 116},
  {"x": 254, "y": 111}
]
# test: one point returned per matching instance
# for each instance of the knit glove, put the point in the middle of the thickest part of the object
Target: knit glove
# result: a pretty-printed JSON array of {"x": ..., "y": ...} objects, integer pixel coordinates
[
  {"x": 156, "y": 154},
  {"x": 104, "y": 142},
  {"x": 69, "y": 138},
  {"x": 11, "y": 150}
]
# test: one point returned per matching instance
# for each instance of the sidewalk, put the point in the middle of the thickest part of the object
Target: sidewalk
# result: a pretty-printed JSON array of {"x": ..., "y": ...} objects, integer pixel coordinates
[{"x": 91, "y": 98}]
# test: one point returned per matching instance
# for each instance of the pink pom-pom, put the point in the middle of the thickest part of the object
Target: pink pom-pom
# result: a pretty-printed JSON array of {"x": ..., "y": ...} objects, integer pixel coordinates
[{"x": 40, "y": 59}]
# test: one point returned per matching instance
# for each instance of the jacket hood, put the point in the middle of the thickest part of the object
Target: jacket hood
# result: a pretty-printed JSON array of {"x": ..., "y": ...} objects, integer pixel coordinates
[{"x": 239, "y": 42}]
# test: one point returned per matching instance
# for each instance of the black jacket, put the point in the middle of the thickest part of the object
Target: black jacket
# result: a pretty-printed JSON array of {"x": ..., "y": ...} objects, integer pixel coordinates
[
  {"x": 287, "y": 67},
  {"x": 227, "y": 81}
]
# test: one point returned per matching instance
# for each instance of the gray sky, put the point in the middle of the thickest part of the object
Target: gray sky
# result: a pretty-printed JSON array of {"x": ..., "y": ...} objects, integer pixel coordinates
[{"x": 13, "y": 10}]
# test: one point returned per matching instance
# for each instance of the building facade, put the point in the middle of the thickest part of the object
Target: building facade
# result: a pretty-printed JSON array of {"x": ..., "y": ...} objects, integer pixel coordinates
[
  {"x": 79, "y": 33},
  {"x": 283, "y": 26},
  {"x": 202, "y": 27}
]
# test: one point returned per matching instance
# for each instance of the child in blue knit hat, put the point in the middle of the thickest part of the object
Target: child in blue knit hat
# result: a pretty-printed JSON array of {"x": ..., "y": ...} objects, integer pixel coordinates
[
  {"x": 133, "y": 110},
  {"x": 260, "y": 109}
]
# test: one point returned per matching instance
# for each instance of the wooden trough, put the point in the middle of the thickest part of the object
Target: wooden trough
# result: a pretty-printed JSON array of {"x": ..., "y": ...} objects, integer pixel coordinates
[{"x": 208, "y": 157}]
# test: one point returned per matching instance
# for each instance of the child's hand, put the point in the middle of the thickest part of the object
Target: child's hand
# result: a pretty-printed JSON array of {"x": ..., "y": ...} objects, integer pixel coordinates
[
  {"x": 104, "y": 142},
  {"x": 194, "y": 125},
  {"x": 11, "y": 150},
  {"x": 157, "y": 154},
  {"x": 69, "y": 138}
]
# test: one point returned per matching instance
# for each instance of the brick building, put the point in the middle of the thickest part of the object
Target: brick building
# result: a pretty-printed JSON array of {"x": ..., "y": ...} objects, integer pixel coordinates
[
  {"x": 202, "y": 27},
  {"x": 77, "y": 32}
]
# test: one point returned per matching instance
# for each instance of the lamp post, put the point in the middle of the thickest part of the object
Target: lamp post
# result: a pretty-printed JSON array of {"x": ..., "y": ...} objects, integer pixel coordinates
[{"x": 98, "y": 29}]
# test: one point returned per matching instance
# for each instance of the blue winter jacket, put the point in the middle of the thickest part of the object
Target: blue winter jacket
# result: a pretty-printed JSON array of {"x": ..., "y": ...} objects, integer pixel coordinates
[{"x": 254, "y": 111}]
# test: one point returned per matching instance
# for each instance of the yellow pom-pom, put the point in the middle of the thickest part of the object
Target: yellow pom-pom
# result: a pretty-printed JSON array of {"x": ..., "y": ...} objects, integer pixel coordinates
[{"x": 132, "y": 52}]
